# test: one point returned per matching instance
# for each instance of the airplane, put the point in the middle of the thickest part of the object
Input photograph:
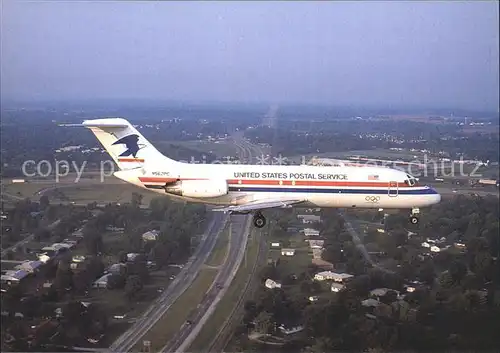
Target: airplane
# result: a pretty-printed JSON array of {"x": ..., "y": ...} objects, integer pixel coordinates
[{"x": 251, "y": 189}]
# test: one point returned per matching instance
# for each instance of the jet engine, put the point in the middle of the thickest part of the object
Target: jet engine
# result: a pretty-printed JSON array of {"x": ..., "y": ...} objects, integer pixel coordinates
[{"x": 198, "y": 188}]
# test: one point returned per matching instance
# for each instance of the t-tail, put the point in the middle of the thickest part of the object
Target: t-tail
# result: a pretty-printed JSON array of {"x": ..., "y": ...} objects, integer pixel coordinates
[{"x": 128, "y": 148}]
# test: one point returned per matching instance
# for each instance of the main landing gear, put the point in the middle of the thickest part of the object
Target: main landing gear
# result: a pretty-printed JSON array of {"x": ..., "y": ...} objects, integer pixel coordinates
[
  {"x": 414, "y": 215},
  {"x": 259, "y": 220}
]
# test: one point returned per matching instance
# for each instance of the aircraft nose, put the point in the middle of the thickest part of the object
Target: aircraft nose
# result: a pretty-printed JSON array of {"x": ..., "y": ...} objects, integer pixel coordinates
[{"x": 436, "y": 197}]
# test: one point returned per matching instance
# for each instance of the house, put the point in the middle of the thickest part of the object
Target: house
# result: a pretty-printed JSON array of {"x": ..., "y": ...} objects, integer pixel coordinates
[
  {"x": 13, "y": 277},
  {"x": 379, "y": 292},
  {"x": 275, "y": 245},
  {"x": 44, "y": 257},
  {"x": 291, "y": 330},
  {"x": 59, "y": 246},
  {"x": 287, "y": 252},
  {"x": 370, "y": 302},
  {"x": 329, "y": 275},
  {"x": 29, "y": 266},
  {"x": 337, "y": 287},
  {"x": 307, "y": 219},
  {"x": 319, "y": 262},
  {"x": 78, "y": 258},
  {"x": 272, "y": 284},
  {"x": 131, "y": 257},
  {"x": 409, "y": 288},
  {"x": 310, "y": 232},
  {"x": 151, "y": 235},
  {"x": 118, "y": 268},
  {"x": 317, "y": 253},
  {"x": 316, "y": 244},
  {"x": 102, "y": 282}
]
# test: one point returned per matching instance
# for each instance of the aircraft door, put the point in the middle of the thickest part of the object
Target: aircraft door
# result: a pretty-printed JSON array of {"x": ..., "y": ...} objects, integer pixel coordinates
[{"x": 393, "y": 189}]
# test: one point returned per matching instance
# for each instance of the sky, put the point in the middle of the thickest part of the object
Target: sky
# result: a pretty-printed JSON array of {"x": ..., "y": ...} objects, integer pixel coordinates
[{"x": 387, "y": 54}]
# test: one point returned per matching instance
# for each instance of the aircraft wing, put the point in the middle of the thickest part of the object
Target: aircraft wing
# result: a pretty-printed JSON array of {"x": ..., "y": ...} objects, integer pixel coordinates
[{"x": 259, "y": 205}]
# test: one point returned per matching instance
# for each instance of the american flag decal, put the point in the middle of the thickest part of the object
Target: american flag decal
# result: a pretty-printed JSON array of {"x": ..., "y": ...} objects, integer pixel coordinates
[{"x": 372, "y": 177}]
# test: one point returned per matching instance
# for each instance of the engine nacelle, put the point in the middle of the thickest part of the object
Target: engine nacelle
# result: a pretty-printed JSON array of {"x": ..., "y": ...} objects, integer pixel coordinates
[{"x": 198, "y": 188}]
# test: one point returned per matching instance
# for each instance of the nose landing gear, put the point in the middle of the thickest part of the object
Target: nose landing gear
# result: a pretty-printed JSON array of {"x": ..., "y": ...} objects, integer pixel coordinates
[
  {"x": 259, "y": 220},
  {"x": 415, "y": 212}
]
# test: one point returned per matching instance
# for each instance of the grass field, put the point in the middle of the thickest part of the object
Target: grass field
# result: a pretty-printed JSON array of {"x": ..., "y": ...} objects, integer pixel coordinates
[
  {"x": 178, "y": 313},
  {"x": 220, "y": 149},
  {"x": 230, "y": 299},
  {"x": 81, "y": 192},
  {"x": 220, "y": 250}
]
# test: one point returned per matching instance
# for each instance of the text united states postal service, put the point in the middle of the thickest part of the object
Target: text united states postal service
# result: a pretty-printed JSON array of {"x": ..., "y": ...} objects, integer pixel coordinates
[{"x": 312, "y": 176}]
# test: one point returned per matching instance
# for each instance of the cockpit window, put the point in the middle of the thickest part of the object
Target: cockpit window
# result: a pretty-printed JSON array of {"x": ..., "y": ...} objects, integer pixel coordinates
[{"x": 411, "y": 181}]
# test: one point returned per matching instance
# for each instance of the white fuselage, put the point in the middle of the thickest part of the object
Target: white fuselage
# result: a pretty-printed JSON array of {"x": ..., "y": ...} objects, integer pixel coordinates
[{"x": 320, "y": 186}]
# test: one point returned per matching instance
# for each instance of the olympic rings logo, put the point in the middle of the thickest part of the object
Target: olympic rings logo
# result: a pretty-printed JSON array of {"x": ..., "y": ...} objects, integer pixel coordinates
[{"x": 372, "y": 199}]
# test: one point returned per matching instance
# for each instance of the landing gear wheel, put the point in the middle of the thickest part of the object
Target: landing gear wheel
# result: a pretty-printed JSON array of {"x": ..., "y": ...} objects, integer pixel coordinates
[
  {"x": 259, "y": 221},
  {"x": 413, "y": 220}
]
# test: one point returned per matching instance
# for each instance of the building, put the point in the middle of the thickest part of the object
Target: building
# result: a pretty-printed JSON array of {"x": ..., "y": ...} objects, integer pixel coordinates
[
  {"x": 13, "y": 277},
  {"x": 131, "y": 257},
  {"x": 319, "y": 262},
  {"x": 337, "y": 287},
  {"x": 329, "y": 275},
  {"x": 310, "y": 232},
  {"x": 307, "y": 219},
  {"x": 151, "y": 235},
  {"x": 380, "y": 292},
  {"x": 272, "y": 284},
  {"x": 287, "y": 252},
  {"x": 291, "y": 330},
  {"x": 30, "y": 266},
  {"x": 370, "y": 302},
  {"x": 102, "y": 282},
  {"x": 316, "y": 243},
  {"x": 317, "y": 254}
]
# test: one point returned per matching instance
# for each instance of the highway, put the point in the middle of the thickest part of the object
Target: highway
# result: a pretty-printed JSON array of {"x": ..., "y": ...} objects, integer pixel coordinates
[
  {"x": 239, "y": 235},
  {"x": 184, "y": 279}
]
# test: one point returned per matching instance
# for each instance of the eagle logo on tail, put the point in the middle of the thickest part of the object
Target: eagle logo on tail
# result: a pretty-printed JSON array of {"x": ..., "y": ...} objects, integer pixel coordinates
[{"x": 131, "y": 142}]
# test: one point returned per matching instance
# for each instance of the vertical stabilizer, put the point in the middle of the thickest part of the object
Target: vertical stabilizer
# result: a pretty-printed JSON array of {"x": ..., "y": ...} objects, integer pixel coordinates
[{"x": 128, "y": 148}]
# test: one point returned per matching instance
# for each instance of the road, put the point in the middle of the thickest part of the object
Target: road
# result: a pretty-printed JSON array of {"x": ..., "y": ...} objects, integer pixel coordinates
[
  {"x": 28, "y": 238},
  {"x": 239, "y": 235},
  {"x": 184, "y": 279},
  {"x": 359, "y": 244}
]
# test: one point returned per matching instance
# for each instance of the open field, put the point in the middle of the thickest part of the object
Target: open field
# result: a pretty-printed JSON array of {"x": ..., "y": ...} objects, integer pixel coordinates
[
  {"x": 375, "y": 153},
  {"x": 220, "y": 149},
  {"x": 82, "y": 192},
  {"x": 220, "y": 250},
  {"x": 179, "y": 312},
  {"x": 228, "y": 303}
]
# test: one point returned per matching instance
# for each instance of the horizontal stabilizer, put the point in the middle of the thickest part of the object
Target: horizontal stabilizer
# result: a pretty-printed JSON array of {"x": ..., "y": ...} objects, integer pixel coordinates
[
  {"x": 259, "y": 205},
  {"x": 107, "y": 123}
]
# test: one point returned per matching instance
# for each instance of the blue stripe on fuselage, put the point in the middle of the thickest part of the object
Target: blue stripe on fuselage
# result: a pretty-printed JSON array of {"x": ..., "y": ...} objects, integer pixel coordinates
[{"x": 426, "y": 191}]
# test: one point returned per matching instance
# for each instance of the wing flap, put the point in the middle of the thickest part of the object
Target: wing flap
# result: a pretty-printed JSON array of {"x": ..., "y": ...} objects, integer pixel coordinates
[{"x": 259, "y": 205}]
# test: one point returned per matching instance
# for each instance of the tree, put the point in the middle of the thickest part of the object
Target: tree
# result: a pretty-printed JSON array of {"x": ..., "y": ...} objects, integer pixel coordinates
[
  {"x": 136, "y": 200},
  {"x": 64, "y": 277},
  {"x": 457, "y": 271},
  {"x": 116, "y": 281},
  {"x": 133, "y": 285},
  {"x": 44, "y": 202},
  {"x": 265, "y": 323}
]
